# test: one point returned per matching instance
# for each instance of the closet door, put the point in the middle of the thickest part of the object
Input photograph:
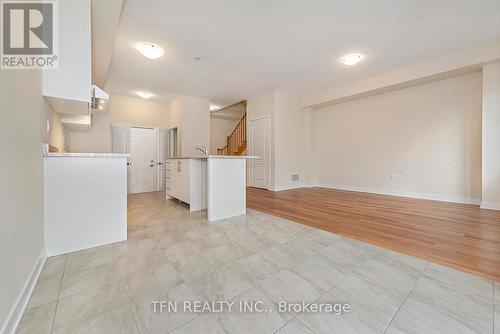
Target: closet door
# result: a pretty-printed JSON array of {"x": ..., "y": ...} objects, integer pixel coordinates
[
  {"x": 142, "y": 160},
  {"x": 120, "y": 138}
]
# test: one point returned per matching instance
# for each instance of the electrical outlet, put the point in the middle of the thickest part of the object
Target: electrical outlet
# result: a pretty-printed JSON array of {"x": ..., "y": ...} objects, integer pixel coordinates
[
  {"x": 295, "y": 177},
  {"x": 394, "y": 177}
]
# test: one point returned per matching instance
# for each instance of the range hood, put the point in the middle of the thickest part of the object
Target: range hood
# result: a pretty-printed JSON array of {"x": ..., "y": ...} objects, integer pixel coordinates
[
  {"x": 97, "y": 95},
  {"x": 80, "y": 105},
  {"x": 82, "y": 115}
]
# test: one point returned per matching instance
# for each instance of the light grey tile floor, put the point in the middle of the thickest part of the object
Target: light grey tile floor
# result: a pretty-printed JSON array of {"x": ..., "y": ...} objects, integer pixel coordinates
[
  {"x": 174, "y": 255},
  {"x": 497, "y": 308}
]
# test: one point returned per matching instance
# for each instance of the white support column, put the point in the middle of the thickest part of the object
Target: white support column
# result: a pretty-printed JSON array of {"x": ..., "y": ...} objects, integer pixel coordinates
[
  {"x": 309, "y": 147},
  {"x": 491, "y": 137}
]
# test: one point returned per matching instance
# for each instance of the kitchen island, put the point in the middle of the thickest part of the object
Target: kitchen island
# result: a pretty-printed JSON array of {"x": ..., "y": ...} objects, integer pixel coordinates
[{"x": 214, "y": 182}]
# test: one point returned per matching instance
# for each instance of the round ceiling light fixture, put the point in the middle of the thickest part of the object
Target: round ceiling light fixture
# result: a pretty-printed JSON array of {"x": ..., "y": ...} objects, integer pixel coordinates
[
  {"x": 150, "y": 50},
  {"x": 144, "y": 95},
  {"x": 214, "y": 107},
  {"x": 351, "y": 59}
]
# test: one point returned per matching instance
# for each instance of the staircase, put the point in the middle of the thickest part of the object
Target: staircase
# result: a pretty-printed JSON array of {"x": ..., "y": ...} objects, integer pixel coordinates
[{"x": 237, "y": 141}]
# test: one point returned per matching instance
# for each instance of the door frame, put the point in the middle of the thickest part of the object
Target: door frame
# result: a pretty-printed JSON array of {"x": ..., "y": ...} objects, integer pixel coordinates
[
  {"x": 157, "y": 133},
  {"x": 269, "y": 153},
  {"x": 155, "y": 150}
]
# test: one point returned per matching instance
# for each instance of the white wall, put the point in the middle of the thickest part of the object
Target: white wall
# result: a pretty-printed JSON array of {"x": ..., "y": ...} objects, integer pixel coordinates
[
  {"x": 429, "y": 136},
  {"x": 290, "y": 138},
  {"x": 59, "y": 136},
  {"x": 191, "y": 115},
  {"x": 220, "y": 129},
  {"x": 119, "y": 109},
  {"x": 491, "y": 137},
  {"x": 260, "y": 106},
  {"x": 96, "y": 139},
  {"x": 175, "y": 109},
  {"x": 23, "y": 115},
  {"x": 138, "y": 112},
  {"x": 195, "y": 128},
  {"x": 310, "y": 156}
]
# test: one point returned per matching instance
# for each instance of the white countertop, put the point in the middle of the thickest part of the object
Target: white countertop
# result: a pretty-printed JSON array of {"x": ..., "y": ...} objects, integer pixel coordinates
[
  {"x": 216, "y": 157},
  {"x": 85, "y": 155}
]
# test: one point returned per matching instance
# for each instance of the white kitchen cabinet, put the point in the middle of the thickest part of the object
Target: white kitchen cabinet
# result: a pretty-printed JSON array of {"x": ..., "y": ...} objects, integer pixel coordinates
[
  {"x": 186, "y": 181},
  {"x": 68, "y": 88},
  {"x": 180, "y": 180},
  {"x": 169, "y": 178}
]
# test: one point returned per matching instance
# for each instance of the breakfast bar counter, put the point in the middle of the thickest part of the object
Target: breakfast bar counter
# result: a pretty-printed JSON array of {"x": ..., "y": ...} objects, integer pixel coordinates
[{"x": 214, "y": 182}]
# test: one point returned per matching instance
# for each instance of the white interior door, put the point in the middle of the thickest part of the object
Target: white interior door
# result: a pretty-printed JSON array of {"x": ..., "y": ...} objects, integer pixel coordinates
[
  {"x": 163, "y": 145},
  {"x": 142, "y": 160},
  {"x": 120, "y": 134},
  {"x": 259, "y": 144}
]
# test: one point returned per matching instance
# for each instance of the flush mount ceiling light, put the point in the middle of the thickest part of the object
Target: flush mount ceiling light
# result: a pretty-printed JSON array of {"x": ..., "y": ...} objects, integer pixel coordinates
[
  {"x": 214, "y": 107},
  {"x": 351, "y": 59},
  {"x": 144, "y": 95},
  {"x": 149, "y": 50}
]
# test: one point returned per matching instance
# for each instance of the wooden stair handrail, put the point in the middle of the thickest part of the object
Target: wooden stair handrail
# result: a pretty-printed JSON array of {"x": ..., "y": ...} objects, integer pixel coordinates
[{"x": 236, "y": 142}]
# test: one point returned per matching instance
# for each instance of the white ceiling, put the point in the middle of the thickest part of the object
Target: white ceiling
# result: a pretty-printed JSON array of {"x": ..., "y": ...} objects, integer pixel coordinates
[
  {"x": 105, "y": 23},
  {"x": 251, "y": 47}
]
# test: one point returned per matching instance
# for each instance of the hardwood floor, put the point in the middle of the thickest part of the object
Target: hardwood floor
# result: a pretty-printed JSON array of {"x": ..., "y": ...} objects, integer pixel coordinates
[{"x": 460, "y": 236}]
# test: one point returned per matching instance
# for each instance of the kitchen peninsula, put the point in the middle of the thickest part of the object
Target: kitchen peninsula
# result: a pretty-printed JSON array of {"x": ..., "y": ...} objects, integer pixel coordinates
[
  {"x": 85, "y": 200},
  {"x": 214, "y": 182}
]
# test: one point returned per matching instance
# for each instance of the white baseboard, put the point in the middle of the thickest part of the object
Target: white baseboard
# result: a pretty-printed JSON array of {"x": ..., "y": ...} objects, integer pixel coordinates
[
  {"x": 490, "y": 205},
  {"x": 288, "y": 186},
  {"x": 12, "y": 321},
  {"x": 433, "y": 197}
]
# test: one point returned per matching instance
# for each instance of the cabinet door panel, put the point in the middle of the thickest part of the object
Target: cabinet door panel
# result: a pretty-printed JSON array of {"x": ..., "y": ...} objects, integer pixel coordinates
[{"x": 183, "y": 181}]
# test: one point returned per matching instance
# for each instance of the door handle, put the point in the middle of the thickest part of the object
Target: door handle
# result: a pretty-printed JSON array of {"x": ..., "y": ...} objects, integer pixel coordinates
[
  {"x": 160, "y": 163},
  {"x": 151, "y": 165},
  {"x": 129, "y": 164}
]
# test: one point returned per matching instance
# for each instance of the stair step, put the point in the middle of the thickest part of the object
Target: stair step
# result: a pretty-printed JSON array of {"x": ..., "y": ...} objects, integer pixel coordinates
[{"x": 243, "y": 143}]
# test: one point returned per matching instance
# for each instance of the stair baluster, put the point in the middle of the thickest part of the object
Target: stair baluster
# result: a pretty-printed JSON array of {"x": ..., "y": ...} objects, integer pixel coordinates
[{"x": 236, "y": 143}]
